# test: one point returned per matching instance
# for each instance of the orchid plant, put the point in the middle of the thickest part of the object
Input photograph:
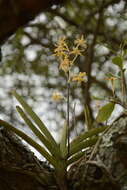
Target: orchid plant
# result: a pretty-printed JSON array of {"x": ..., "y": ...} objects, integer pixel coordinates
[{"x": 63, "y": 154}]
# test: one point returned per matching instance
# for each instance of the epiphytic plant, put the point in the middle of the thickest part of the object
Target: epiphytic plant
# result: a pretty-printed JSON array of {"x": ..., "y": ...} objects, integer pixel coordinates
[
  {"x": 61, "y": 155},
  {"x": 118, "y": 60}
]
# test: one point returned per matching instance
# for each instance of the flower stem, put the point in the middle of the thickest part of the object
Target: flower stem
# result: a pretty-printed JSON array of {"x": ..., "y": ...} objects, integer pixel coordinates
[{"x": 68, "y": 111}]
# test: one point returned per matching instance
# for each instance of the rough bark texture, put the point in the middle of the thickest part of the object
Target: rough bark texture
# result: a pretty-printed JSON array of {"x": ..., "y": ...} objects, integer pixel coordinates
[
  {"x": 19, "y": 168},
  {"x": 16, "y": 13},
  {"x": 105, "y": 169}
]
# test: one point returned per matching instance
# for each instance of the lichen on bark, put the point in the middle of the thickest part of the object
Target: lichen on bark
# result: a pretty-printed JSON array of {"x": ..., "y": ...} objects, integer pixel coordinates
[{"x": 108, "y": 167}]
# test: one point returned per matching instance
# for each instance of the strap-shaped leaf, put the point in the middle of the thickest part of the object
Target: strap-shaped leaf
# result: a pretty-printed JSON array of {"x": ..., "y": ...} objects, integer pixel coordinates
[
  {"x": 35, "y": 118},
  {"x": 75, "y": 157},
  {"x": 52, "y": 149},
  {"x": 63, "y": 141},
  {"x": 105, "y": 112},
  {"x": 30, "y": 141},
  {"x": 118, "y": 60},
  {"x": 80, "y": 146},
  {"x": 87, "y": 134}
]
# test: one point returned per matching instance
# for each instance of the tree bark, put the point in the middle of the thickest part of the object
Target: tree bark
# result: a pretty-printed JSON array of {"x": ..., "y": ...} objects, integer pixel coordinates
[
  {"x": 16, "y": 13},
  {"x": 106, "y": 167},
  {"x": 19, "y": 168}
]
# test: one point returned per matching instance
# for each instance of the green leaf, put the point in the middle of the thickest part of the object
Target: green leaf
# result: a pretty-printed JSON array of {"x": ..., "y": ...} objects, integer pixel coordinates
[
  {"x": 118, "y": 60},
  {"x": 97, "y": 98},
  {"x": 63, "y": 141},
  {"x": 87, "y": 134},
  {"x": 35, "y": 118},
  {"x": 52, "y": 149},
  {"x": 105, "y": 112},
  {"x": 125, "y": 52},
  {"x": 31, "y": 142},
  {"x": 75, "y": 157},
  {"x": 80, "y": 146},
  {"x": 109, "y": 75}
]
